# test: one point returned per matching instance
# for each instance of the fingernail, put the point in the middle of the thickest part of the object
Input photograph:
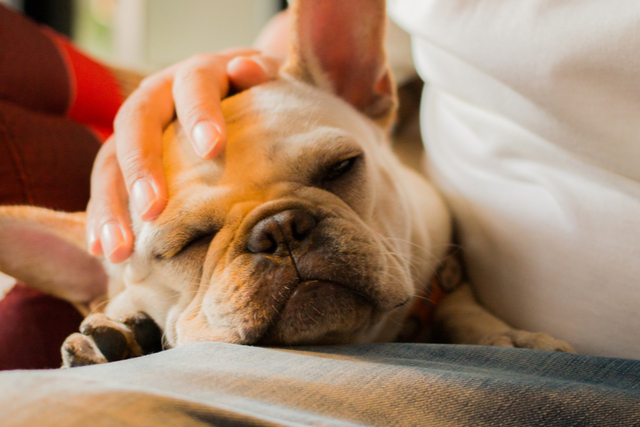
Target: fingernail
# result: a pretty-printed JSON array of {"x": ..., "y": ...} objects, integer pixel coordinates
[
  {"x": 91, "y": 243},
  {"x": 143, "y": 196},
  {"x": 111, "y": 237},
  {"x": 238, "y": 64},
  {"x": 205, "y": 137}
]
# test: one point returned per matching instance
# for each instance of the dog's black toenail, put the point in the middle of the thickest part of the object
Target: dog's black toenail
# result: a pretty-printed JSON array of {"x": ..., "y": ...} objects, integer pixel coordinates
[
  {"x": 146, "y": 331},
  {"x": 76, "y": 363},
  {"x": 111, "y": 342},
  {"x": 86, "y": 329},
  {"x": 69, "y": 348}
]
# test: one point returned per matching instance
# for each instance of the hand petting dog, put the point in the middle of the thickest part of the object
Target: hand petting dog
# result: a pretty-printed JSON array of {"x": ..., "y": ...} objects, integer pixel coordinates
[{"x": 294, "y": 223}]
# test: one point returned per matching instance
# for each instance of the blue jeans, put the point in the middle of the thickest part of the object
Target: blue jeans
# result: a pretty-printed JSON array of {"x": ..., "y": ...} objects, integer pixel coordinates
[{"x": 380, "y": 384}]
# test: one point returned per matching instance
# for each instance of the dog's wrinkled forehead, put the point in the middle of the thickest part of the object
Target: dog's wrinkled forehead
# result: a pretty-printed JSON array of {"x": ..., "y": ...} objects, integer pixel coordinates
[
  {"x": 282, "y": 138},
  {"x": 281, "y": 131}
]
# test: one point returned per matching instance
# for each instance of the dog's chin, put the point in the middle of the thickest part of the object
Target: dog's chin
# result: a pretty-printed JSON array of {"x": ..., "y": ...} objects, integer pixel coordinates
[
  {"x": 320, "y": 312},
  {"x": 316, "y": 312}
]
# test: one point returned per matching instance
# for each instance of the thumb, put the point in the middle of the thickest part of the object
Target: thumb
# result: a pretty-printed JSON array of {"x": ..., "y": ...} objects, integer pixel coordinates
[{"x": 247, "y": 71}]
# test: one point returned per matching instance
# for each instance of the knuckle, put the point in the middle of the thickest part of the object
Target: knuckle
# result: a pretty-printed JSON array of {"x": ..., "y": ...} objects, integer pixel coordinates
[
  {"x": 187, "y": 75},
  {"x": 193, "y": 112},
  {"x": 150, "y": 81},
  {"x": 135, "y": 109},
  {"x": 131, "y": 164},
  {"x": 156, "y": 79},
  {"x": 100, "y": 208},
  {"x": 201, "y": 58},
  {"x": 199, "y": 69}
]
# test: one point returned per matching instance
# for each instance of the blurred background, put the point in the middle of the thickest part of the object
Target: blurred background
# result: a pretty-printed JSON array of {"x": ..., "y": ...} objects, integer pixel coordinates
[
  {"x": 151, "y": 34},
  {"x": 147, "y": 35}
]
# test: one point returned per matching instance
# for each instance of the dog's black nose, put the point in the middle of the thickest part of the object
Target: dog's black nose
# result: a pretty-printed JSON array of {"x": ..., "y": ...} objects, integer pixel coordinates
[{"x": 288, "y": 228}]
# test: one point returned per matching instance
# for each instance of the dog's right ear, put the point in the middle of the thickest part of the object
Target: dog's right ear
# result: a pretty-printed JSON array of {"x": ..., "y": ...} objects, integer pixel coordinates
[
  {"x": 47, "y": 250},
  {"x": 338, "y": 45}
]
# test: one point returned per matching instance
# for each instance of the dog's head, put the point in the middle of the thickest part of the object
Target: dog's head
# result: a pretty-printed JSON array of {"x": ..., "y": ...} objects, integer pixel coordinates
[{"x": 304, "y": 229}]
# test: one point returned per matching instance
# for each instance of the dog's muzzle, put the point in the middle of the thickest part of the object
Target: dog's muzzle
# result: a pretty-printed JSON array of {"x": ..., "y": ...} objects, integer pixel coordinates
[
  {"x": 293, "y": 245},
  {"x": 282, "y": 233}
]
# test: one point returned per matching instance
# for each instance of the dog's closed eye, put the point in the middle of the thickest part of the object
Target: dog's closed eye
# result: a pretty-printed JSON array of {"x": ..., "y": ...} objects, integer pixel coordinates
[
  {"x": 185, "y": 241},
  {"x": 339, "y": 169},
  {"x": 199, "y": 241}
]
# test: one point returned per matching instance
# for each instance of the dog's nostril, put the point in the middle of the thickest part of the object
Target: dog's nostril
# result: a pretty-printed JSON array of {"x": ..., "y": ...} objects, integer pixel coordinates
[
  {"x": 301, "y": 224},
  {"x": 262, "y": 237},
  {"x": 285, "y": 227}
]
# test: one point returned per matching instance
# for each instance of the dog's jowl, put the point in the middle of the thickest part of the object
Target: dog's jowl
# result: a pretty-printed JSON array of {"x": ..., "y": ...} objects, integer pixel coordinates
[{"x": 307, "y": 229}]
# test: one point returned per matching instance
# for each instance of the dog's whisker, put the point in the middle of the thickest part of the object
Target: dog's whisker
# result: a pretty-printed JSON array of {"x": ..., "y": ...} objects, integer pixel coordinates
[
  {"x": 410, "y": 260},
  {"x": 281, "y": 184},
  {"x": 164, "y": 340}
]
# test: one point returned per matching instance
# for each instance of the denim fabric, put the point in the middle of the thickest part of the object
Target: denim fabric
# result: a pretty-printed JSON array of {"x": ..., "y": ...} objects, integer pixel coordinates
[{"x": 383, "y": 384}]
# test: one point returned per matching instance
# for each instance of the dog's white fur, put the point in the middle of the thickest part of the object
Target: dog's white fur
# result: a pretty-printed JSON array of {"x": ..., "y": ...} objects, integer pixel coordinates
[
  {"x": 403, "y": 218},
  {"x": 378, "y": 231}
]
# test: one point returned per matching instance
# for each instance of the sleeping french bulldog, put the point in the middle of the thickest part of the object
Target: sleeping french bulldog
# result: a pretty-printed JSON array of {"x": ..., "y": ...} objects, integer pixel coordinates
[{"x": 307, "y": 230}]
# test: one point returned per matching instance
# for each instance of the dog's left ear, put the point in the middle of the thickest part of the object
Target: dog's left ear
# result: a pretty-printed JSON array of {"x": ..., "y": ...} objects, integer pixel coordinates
[
  {"x": 338, "y": 45},
  {"x": 47, "y": 250}
]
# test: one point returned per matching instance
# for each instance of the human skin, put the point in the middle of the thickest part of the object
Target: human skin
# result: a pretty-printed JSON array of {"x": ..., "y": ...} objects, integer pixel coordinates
[{"x": 129, "y": 166}]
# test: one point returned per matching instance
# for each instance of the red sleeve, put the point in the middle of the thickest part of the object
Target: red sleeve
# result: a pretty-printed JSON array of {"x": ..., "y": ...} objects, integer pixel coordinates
[
  {"x": 95, "y": 93},
  {"x": 42, "y": 71},
  {"x": 33, "y": 75}
]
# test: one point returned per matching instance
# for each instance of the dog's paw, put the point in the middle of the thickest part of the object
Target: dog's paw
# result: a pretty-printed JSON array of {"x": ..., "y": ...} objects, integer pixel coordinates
[
  {"x": 524, "y": 339},
  {"x": 105, "y": 340}
]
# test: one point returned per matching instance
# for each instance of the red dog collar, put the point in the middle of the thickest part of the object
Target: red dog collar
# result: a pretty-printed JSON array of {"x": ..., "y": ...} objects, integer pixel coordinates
[{"x": 448, "y": 277}]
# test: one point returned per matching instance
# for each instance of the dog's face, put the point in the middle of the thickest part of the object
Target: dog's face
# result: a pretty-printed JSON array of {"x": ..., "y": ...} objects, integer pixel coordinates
[
  {"x": 283, "y": 239},
  {"x": 306, "y": 230}
]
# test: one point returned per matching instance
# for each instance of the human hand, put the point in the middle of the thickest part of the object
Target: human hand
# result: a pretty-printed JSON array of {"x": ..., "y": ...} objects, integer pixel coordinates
[{"x": 130, "y": 162}]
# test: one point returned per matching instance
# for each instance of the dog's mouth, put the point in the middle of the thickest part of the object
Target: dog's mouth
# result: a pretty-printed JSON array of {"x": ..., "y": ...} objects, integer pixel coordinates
[
  {"x": 297, "y": 282},
  {"x": 319, "y": 312}
]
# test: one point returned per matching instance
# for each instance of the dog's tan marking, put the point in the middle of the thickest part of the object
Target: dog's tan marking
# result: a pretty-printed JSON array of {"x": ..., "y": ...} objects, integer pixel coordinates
[{"x": 264, "y": 245}]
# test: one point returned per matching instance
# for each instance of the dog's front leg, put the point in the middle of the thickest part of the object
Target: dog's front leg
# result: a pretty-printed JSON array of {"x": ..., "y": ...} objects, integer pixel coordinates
[
  {"x": 105, "y": 340},
  {"x": 462, "y": 320}
]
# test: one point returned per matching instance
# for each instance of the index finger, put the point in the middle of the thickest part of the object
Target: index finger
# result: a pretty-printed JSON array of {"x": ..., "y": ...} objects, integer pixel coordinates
[
  {"x": 201, "y": 84},
  {"x": 138, "y": 133}
]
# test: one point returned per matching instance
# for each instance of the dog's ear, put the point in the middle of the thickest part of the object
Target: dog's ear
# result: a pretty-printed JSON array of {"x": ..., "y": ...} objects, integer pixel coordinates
[
  {"x": 47, "y": 250},
  {"x": 338, "y": 45}
]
